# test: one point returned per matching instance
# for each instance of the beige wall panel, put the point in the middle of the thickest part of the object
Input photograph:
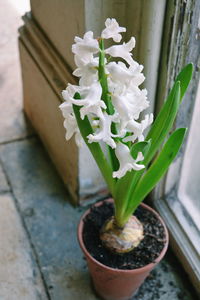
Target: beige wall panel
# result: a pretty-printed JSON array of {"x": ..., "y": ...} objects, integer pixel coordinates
[
  {"x": 61, "y": 21},
  {"x": 41, "y": 106}
]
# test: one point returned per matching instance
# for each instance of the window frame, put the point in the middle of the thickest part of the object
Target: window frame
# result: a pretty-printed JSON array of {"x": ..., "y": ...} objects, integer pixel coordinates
[{"x": 180, "y": 46}]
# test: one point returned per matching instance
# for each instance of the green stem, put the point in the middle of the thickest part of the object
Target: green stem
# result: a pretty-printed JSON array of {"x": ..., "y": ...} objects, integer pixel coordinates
[
  {"x": 86, "y": 129},
  {"x": 107, "y": 99}
]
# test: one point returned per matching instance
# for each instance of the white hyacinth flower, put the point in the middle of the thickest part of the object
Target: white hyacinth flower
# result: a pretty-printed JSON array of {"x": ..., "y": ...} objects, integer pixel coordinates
[
  {"x": 112, "y": 30},
  {"x": 86, "y": 47},
  {"x": 138, "y": 77},
  {"x": 120, "y": 74},
  {"x": 104, "y": 132},
  {"x": 70, "y": 90},
  {"x": 130, "y": 104},
  {"x": 123, "y": 51},
  {"x": 126, "y": 161},
  {"x": 70, "y": 123},
  {"x": 87, "y": 71},
  {"x": 90, "y": 99},
  {"x": 138, "y": 128}
]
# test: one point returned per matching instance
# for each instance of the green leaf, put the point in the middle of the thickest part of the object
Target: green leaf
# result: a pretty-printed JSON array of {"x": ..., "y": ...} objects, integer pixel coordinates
[
  {"x": 157, "y": 169},
  {"x": 137, "y": 174},
  {"x": 167, "y": 115},
  {"x": 123, "y": 185},
  {"x": 163, "y": 122},
  {"x": 184, "y": 77},
  {"x": 86, "y": 129},
  {"x": 140, "y": 147}
]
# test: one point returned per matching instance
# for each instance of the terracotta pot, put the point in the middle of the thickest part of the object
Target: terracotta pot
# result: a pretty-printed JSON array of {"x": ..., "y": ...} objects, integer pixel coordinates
[{"x": 117, "y": 284}]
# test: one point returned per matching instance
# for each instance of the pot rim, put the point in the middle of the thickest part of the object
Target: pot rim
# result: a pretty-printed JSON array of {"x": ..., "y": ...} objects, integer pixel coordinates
[{"x": 141, "y": 269}]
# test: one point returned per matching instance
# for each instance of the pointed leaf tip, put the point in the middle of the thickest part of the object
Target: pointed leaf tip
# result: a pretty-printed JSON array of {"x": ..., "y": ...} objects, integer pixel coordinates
[{"x": 184, "y": 77}]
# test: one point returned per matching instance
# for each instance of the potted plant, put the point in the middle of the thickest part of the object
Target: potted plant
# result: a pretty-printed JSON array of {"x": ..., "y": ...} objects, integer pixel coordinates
[{"x": 121, "y": 238}]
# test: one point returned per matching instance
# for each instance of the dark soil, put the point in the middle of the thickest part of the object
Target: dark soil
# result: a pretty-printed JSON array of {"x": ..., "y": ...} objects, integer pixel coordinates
[{"x": 146, "y": 252}]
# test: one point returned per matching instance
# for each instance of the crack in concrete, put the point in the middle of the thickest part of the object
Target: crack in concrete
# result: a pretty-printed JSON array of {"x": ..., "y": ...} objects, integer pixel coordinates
[{"x": 18, "y": 139}]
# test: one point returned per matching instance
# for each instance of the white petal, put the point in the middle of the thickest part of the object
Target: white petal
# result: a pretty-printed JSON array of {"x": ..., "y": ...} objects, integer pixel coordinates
[
  {"x": 95, "y": 109},
  {"x": 69, "y": 92},
  {"x": 123, "y": 51},
  {"x": 126, "y": 161},
  {"x": 112, "y": 30},
  {"x": 140, "y": 157},
  {"x": 138, "y": 128},
  {"x": 65, "y": 95},
  {"x": 86, "y": 47},
  {"x": 119, "y": 74},
  {"x": 70, "y": 126},
  {"x": 130, "y": 104},
  {"x": 87, "y": 71},
  {"x": 104, "y": 132},
  {"x": 90, "y": 100},
  {"x": 70, "y": 123},
  {"x": 78, "y": 139}
]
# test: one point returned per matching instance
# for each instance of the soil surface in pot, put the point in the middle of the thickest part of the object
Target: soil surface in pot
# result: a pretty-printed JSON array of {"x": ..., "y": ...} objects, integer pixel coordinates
[{"x": 146, "y": 252}]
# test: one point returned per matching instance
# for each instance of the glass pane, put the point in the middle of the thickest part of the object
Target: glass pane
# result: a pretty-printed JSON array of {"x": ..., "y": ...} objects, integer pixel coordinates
[{"x": 189, "y": 189}]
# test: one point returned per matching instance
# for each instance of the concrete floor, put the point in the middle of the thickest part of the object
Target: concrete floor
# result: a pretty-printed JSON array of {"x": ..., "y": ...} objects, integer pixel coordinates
[{"x": 39, "y": 254}]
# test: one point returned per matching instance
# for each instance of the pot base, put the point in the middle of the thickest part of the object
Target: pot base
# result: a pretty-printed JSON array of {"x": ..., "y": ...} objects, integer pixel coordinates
[{"x": 107, "y": 297}]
